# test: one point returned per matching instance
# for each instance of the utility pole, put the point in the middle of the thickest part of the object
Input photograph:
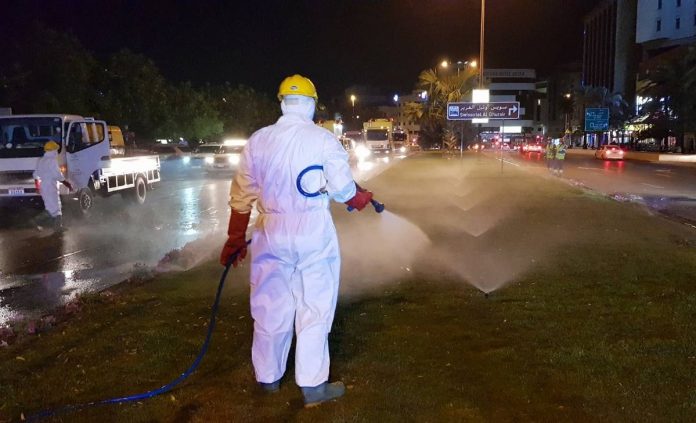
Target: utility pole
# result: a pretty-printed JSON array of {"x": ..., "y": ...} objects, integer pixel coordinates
[
  {"x": 481, "y": 51},
  {"x": 481, "y": 46}
]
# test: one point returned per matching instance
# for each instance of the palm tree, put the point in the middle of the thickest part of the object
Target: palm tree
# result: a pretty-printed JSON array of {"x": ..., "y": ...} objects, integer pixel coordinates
[
  {"x": 440, "y": 89},
  {"x": 671, "y": 89}
]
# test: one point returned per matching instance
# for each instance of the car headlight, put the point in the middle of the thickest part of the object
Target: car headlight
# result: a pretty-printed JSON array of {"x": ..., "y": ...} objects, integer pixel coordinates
[
  {"x": 362, "y": 152},
  {"x": 186, "y": 159},
  {"x": 233, "y": 159},
  {"x": 209, "y": 160},
  {"x": 402, "y": 149}
]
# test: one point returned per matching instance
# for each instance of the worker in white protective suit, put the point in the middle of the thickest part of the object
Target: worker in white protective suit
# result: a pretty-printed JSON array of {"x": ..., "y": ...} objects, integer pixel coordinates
[
  {"x": 46, "y": 177},
  {"x": 293, "y": 168}
]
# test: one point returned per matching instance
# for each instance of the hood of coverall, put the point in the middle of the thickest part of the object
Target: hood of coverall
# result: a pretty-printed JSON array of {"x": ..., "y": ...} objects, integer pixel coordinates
[
  {"x": 298, "y": 105},
  {"x": 50, "y": 154}
]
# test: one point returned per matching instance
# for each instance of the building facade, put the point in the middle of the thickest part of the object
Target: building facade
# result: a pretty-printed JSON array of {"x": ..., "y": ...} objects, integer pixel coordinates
[
  {"x": 663, "y": 24},
  {"x": 609, "y": 48},
  {"x": 513, "y": 85},
  {"x": 557, "y": 97}
]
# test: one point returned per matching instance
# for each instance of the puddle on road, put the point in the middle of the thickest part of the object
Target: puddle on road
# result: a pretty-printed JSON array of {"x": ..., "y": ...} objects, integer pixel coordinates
[{"x": 30, "y": 296}]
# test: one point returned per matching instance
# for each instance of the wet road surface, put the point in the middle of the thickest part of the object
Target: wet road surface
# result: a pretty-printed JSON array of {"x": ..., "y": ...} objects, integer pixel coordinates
[
  {"x": 40, "y": 270},
  {"x": 667, "y": 188}
]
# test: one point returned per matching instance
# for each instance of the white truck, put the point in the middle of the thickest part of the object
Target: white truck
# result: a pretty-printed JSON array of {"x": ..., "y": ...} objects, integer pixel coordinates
[
  {"x": 85, "y": 158},
  {"x": 378, "y": 135}
]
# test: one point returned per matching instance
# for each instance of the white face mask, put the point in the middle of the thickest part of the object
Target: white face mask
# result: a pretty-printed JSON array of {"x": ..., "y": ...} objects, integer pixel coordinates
[
  {"x": 53, "y": 153},
  {"x": 298, "y": 105}
]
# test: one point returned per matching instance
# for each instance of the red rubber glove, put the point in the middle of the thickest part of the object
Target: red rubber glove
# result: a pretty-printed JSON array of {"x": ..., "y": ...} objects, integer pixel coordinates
[
  {"x": 37, "y": 185},
  {"x": 360, "y": 200},
  {"x": 236, "y": 241}
]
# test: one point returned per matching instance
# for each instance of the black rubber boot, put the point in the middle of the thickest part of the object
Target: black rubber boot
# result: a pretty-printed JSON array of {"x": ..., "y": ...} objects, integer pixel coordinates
[
  {"x": 270, "y": 387},
  {"x": 58, "y": 223},
  {"x": 322, "y": 393},
  {"x": 40, "y": 221}
]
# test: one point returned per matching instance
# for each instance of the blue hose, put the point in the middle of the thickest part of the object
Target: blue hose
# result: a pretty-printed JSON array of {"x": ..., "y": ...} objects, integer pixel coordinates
[
  {"x": 298, "y": 182},
  {"x": 379, "y": 207},
  {"x": 164, "y": 389}
]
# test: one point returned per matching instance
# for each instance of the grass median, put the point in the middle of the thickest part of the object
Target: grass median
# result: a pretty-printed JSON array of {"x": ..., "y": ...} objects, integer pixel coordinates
[{"x": 592, "y": 316}]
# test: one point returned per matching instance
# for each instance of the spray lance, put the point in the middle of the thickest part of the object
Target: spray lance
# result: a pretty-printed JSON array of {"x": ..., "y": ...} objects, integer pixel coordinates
[
  {"x": 379, "y": 207},
  {"x": 165, "y": 388}
]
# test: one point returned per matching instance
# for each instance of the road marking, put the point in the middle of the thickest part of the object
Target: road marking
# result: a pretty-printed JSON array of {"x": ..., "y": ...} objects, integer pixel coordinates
[
  {"x": 66, "y": 255},
  {"x": 509, "y": 162},
  {"x": 652, "y": 186},
  {"x": 589, "y": 168}
]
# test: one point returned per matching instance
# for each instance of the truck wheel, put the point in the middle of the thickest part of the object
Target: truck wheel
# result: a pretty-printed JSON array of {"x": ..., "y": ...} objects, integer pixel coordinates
[
  {"x": 139, "y": 193},
  {"x": 85, "y": 201}
]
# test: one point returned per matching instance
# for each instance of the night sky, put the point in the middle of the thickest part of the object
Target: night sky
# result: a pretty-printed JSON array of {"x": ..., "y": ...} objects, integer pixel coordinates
[{"x": 336, "y": 43}]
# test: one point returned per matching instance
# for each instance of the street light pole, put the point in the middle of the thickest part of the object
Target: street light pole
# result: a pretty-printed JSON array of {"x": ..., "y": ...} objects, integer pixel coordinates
[
  {"x": 481, "y": 46},
  {"x": 352, "y": 100},
  {"x": 480, "y": 63}
]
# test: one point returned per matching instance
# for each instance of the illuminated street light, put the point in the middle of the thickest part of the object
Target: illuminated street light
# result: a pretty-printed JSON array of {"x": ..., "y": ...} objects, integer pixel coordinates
[
  {"x": 460, "y": 64},
  {"x": 352, "y": 100},
  {"x": 396, "y": 98}
]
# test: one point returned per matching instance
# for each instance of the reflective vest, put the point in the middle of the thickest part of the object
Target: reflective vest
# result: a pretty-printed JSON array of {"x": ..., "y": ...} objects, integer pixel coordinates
[
  {"x": 549, "y": 151},
  {"x": 560, "y": 152}
]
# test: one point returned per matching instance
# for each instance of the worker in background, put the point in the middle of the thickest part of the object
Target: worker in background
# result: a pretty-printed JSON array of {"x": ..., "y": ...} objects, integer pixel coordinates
[
  {"x": 295, "y": 258},
  {"x": 549, "y": 155},
  {"x": 559, "y": 156},
  {"x": 46, "y": 178}
]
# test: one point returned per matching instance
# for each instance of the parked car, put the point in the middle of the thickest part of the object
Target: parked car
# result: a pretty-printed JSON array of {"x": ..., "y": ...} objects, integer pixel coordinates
[{"x": 609, "y": 152}]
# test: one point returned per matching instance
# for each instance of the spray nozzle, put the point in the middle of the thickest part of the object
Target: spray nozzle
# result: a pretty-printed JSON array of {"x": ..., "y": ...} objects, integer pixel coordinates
[{"x": 379, "y": 207}]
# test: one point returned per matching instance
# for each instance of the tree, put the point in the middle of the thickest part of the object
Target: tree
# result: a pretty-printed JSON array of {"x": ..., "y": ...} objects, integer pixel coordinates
[
  {"x": 242, "y": 110},
  {"x": 134, "y": 93},
  {"x": 671, "y": 94},
  {"x": 440, "y": 89},
  {"x": 49, "y": 72},
  {"x": 191, "y": 115}
]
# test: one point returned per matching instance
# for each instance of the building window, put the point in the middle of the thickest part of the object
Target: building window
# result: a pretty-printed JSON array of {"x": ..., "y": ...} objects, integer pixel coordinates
[
  {"x": 677, "y": 23},
  {"x": 659, "y": 4},
  {"x": 659, "y": 25}
]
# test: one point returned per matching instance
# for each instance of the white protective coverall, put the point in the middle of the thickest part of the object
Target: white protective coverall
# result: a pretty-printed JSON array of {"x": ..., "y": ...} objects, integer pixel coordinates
[
  {"x": 49, "y": 173},
  {"x": 295, "y": 262}
]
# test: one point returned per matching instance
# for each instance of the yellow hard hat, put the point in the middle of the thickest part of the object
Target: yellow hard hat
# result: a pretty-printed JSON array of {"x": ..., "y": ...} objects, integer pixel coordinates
[
  {"x": 297, "y": 85},
  {"x": 51, "y": 146}
]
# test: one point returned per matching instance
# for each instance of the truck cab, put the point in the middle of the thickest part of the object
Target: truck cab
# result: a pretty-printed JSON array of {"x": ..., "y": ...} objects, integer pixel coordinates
[
  {"x": 378, "y": 135},
  {"x": 84, "y": 157}
]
